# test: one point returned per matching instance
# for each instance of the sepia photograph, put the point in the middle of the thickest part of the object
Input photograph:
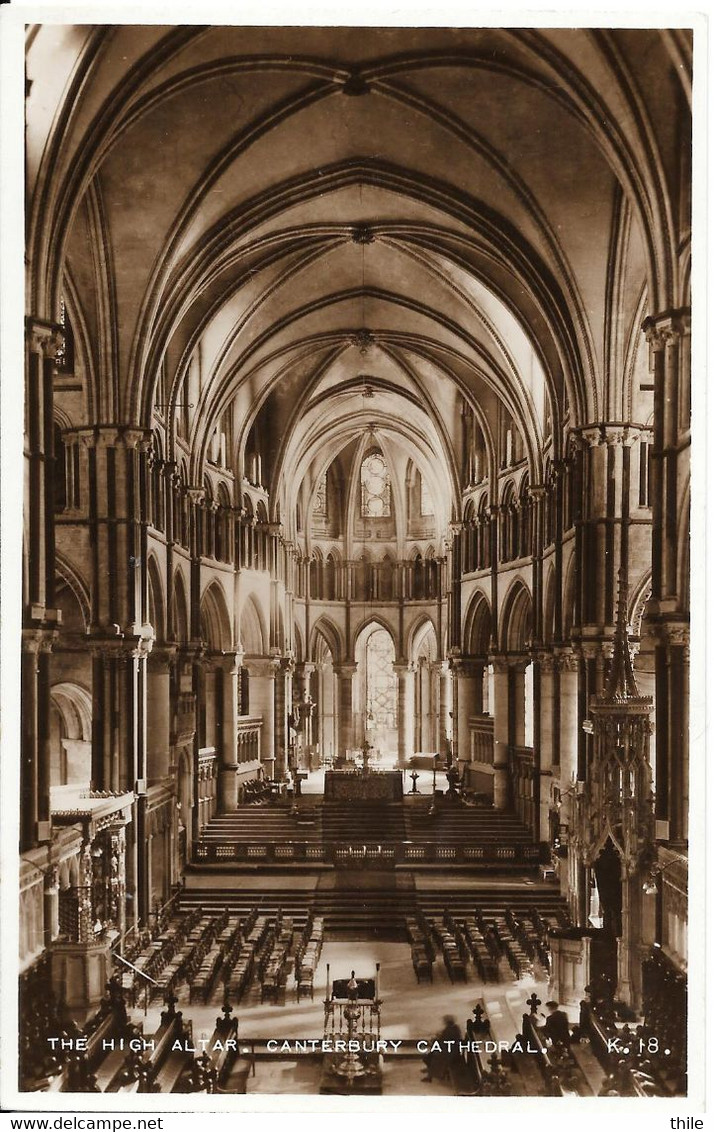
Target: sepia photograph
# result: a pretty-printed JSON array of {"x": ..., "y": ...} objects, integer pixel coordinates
[{"x": 354, "y": 613}]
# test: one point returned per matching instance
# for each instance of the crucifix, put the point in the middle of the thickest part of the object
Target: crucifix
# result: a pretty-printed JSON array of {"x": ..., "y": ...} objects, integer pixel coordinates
[
  {"x": 533, "y": 1002},
  {"x": 366, "y": 748}
]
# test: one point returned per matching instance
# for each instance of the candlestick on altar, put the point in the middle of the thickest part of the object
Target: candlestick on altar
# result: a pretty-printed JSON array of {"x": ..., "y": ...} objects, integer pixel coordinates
[
  {"x": 327, "y": 989},
  {"x": 376, "y": 985}
]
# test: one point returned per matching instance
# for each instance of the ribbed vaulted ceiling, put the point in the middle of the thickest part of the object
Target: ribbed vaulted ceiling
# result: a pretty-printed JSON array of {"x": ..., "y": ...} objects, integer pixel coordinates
[{"x": 438, "y": 214}]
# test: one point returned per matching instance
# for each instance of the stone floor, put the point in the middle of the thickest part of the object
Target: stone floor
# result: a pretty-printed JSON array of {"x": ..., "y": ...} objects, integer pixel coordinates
[{"x": 409, "y": 1011}]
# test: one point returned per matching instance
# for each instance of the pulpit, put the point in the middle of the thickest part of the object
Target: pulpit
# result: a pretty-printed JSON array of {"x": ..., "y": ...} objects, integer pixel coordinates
[{"x": 570, "y": 967}]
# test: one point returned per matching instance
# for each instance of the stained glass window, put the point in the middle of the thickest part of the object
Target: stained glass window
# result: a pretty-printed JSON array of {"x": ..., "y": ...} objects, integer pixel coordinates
[
  {"x": 376, "y": 487},
  {"x": 381, "y": 679},
  {"x": 321, "y": 495},
  {"x": 427, "y": 507}
]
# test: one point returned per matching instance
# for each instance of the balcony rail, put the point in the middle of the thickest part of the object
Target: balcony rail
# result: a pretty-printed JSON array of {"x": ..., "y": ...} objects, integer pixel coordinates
[{"x": 365, "y": 854}]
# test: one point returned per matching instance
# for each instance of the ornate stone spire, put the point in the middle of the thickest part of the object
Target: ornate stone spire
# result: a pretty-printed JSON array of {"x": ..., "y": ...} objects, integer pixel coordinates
[{"x": 621, "y": 684}]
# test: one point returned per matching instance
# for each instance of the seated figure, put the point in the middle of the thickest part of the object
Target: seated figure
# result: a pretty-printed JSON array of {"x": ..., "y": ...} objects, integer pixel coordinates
[{"x": 557, "y": 1024}]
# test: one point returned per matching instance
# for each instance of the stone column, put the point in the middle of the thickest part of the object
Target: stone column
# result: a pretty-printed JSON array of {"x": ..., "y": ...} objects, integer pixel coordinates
[
  {"x": 39, "y": 617},
  {"x": 668, "y": 336},
  {"x": 303, "y": 675},
  {"x": 673, "y": 764},
  {"x": 51, "y": 908},
  {"x": 35, "y": 766},
  {"x": 228, "y": 767},
  {"x": 405, "y": 712},
  {"x": 469, "y": 677},
  {"x": 261, "y": 671},
  {"x": 345, "y": 676},
  {"x": 283, "y": 698},
  {"x": 445, "y": 708},
  {"x": 119, "y": 740},
  {"x": 517, "y": 670},
  {"x": 500, "y": 732},
  {"x": 158, "y": 680},
  {"x": 569, "y": 667},
  {"x": 42, "y": 340},
  {"x": 432, "y": 743},
  {"x": 546, "y": 663}
]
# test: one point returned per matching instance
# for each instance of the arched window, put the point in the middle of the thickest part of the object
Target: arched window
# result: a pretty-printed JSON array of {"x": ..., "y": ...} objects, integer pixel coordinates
[
  {"x": 386, "y": 579},
  {"x": 431, "y": 575},
  {"x": 376, "y": 487},
  {"x": 320, "y": 507},
  {"x": 523, "y": 547},
  {"x": 315, "y": 575},
  {"x": 418, "y": 578},
  {"x": 484, "y": 534},
  {"x": 507, "y": 531},
  {"x": 381, "y": 679},
  {"x": 330, "y": 579},
  {"x": 427, "y": 505}
]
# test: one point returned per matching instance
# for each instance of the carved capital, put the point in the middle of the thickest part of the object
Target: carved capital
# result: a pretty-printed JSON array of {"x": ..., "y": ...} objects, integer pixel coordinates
[
  {"x": 468, "y": 667},
  {"x": 665, "y": 329},
  {"x": 43, "y": 337},
  {"x": 631, "y": 435},
  {"x": 591, "y": 436},
  {"x": 613, "y": 435},
  {"x": 567, "y": 660},
  {"x": 135, "y": 644},
  {"x": 264, "y": 667},
  {"x": 113, "y": 436},
  {"x": 674, "y": 633},
  {"x": 35, "y": 641},
  {"x": 162, "y": 656}
]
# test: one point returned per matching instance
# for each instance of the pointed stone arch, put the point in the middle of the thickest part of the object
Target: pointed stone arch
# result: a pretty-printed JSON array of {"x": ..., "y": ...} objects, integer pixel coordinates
[
  {"x": 378, "y": 621},
  {"x": 419, "y": 632},
  {"x": 253, "y": 634},
  {"x": 516, "y": 619},
  {"x": 326, "y": 628},
  {"x": 180, "y": 627},
  {"x": 215, "y": 621},
  {"x": 75, "y": 582},
  {"x": 155, "y": 595},
  {"x": 478, "y": 626}
]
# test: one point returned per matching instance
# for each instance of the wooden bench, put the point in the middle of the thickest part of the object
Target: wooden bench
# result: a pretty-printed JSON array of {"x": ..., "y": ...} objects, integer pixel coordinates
[
  {"x": 559, "y": 1068},
  {"x": 161, "y": 1068}
]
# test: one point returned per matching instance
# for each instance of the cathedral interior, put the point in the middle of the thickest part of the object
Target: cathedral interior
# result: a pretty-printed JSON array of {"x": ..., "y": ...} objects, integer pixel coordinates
[{"x": 355, "y": 600}]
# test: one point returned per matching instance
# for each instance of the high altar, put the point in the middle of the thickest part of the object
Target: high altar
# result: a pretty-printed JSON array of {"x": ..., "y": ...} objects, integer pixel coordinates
[{"x": 363, "y": 786}]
